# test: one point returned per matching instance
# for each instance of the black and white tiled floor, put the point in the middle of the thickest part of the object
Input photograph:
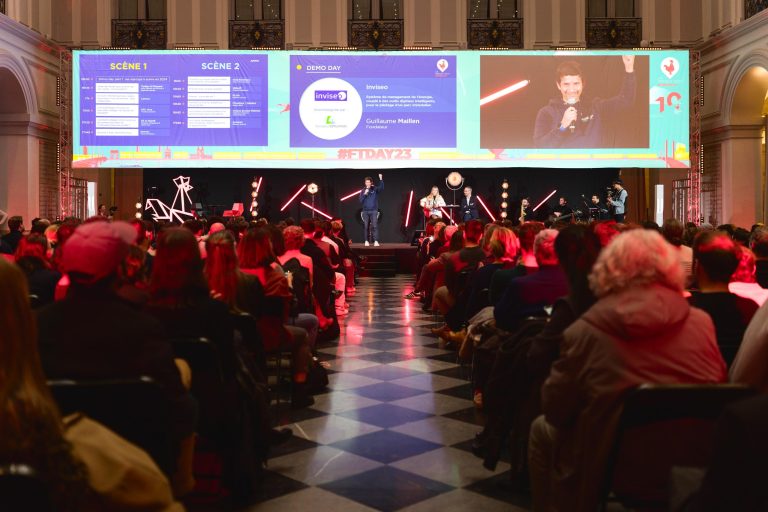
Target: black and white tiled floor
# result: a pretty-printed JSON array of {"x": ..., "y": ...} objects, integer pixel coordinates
[{"x": 393, "y": 432}]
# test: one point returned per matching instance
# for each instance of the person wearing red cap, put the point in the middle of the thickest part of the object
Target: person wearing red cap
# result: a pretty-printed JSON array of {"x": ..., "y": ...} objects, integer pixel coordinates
[{"x": 92, "y": 334}]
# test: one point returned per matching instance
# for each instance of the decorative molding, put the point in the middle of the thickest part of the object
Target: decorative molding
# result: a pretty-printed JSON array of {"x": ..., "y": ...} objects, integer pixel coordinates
[
  {"x": 752, "y": 7},
  {"x": 495, "y": 33},
  {"x": 730, "y": 132},
  {"x": 724, "y": 37},
  {"x": 140, "y": 34},
  {"x": 375, "y": 34},
  {"x": 244, "y": 35},
  {"x": 614, "y": 32}
]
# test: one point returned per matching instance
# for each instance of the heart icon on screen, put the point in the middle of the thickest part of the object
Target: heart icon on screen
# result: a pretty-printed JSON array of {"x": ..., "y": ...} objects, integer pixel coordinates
[
  {"x": 442, "y": 65},
  {"x": 670, "y": 67}
]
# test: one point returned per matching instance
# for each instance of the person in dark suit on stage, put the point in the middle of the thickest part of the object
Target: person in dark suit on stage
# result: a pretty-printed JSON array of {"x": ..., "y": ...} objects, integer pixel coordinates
[{"x": 469, "y": 206}]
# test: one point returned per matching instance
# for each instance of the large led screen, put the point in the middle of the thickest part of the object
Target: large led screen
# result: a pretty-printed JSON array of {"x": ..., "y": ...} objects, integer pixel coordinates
[{"x": 376, "y": 110}]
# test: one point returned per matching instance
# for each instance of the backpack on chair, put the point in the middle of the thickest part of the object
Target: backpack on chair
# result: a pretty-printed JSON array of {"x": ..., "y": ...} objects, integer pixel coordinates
[{"x": 302, "y": 287}]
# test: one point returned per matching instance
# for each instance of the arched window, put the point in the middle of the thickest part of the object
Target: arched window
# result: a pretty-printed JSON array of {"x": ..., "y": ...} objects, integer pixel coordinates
[
  {"x": 494, "y": 9},
  {"x": 250, "y": 10},
  {"x": 612, "y": 8},
  {"x": 142, "y": 10},
  {"x": 375, "y": 9}
]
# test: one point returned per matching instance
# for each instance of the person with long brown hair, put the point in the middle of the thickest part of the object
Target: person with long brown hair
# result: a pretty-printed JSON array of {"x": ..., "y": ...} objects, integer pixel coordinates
[
  {"x": 31, "y": 430},
  {"x": 236, "y": 288}
]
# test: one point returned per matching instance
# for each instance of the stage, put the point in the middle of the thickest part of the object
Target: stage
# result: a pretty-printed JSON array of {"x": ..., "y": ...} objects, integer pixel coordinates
[{"x": 387, "y": 259}]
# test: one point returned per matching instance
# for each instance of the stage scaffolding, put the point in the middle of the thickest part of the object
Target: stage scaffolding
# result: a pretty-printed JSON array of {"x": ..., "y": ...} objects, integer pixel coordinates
[
  {"x": 696, "y": 152},
  {"x": 64, "y": 156}
]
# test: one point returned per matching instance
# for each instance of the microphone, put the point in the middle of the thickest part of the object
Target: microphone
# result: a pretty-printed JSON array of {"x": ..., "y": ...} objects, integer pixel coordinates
[{"x": 572, "y": 102}]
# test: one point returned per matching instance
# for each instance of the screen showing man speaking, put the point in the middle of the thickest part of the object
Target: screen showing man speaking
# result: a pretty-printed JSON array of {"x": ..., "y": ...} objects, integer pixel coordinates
[{"x": 279, "y": 109}]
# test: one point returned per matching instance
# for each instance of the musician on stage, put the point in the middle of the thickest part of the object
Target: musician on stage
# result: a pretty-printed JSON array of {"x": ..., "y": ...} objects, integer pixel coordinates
[
  {"x": 469, "y": 206},
  {"x": 525, "y": 204},
  {"x": 562, "y": 209},
  {"x": 432, "y": 203},
  {"x": 597, "y": 211},
  {"x": 618, "y": 200}
]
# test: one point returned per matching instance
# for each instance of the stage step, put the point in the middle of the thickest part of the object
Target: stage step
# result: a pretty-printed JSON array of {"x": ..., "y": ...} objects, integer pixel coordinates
[
  {"x": 387, "y": 260},
  {"x": 380, "y": 264}
]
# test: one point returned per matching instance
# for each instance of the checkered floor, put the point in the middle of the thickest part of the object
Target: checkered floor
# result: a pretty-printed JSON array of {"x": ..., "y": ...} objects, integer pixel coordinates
[{"x": 395, "y": 430}]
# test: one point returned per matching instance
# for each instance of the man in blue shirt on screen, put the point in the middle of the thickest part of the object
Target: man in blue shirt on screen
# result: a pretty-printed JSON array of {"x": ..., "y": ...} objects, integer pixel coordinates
[
  {"x": 369, "y": 198},
  {"x": 567, "y": 123}
]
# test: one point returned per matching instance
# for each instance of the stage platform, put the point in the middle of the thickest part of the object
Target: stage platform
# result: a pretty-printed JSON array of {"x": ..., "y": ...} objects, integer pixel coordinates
[{"x": 387, "y": 259}]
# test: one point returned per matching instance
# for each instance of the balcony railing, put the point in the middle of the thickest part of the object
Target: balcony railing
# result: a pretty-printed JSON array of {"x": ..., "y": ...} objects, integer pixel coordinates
[
  {"x": 376, "y": 34},
  {"x": 140, "y": 34},
  {"x": 495, "y": 33},
  {"x": 752, "y": 7},
  {"x": 614, "y": 32},
  {"x": 244, "y": 35}
]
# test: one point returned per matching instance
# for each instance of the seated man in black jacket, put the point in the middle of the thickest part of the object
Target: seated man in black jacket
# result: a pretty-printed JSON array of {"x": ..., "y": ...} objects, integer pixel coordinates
[{"x": 93, "y": 335}]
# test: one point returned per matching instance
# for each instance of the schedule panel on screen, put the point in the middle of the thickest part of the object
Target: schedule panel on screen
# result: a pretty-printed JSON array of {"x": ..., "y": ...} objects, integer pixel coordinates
[{"x": 172, "y": 100}]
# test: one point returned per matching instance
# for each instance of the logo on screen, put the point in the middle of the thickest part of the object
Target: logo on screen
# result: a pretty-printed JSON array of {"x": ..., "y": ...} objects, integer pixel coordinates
[
  {"x": 670, "y": 67},
  {"x": 330, "y": 95},
  {"x": 442, "y": 65}
]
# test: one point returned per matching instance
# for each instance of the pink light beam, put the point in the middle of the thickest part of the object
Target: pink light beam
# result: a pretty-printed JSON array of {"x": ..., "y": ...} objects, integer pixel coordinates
[
  {"x": 503, "y": 92},
  {"x": 486, "y": 209},
  {"x": 356, "y": 192},
  {"x": 293, "y": 197},
  {"x": 316, "y": 210},
  {"x": 408, "y": 212},
  {"x": 545, "y": 199}
]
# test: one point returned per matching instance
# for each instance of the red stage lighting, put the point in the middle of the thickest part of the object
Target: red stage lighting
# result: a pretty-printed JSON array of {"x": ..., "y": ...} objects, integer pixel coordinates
[
  {"x": 356, "y": 192},
  {"x": 294, "y": 196},
  {"x": 486, "y": 209},
  {"x": 408, "y": 212},
  {"x": 503, "y": 92},
  {"x": 447, "y": 214},
  {"x": 545, "y": 200},
  {"x": 316, "y": 210}
]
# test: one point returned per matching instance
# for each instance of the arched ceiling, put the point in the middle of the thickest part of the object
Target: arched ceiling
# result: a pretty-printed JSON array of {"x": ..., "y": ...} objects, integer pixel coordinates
[{"x": 750, "y": 98}]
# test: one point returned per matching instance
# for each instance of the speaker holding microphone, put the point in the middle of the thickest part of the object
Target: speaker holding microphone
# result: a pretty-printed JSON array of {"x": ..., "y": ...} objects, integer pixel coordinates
[{"x": 572, "y": 104}]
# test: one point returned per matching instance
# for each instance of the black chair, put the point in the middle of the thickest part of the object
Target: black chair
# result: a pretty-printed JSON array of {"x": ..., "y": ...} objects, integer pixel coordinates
[
  {"x": 208, "y": 383},
  {"x": 269, "y": 363},
  {"x": 134, "y": 408},
  {"x": 662, "y": 426},
  {"x": 21, "y": 489}
]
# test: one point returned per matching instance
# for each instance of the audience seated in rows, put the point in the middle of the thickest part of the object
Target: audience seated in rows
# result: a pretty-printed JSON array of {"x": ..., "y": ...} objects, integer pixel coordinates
[
  {"x": 526, "y": 265},
  {"x": 530, "y": 294},
  {"x": 641, "y": 330},
  {"x": 92, "y": 334}
]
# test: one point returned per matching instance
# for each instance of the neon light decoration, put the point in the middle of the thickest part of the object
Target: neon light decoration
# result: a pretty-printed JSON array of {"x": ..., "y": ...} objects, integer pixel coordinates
[{"x": 173, "y": 213}]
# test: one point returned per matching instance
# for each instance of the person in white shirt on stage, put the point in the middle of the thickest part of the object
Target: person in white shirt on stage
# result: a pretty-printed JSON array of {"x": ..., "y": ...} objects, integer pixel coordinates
[{"x": 432, "y": 203}]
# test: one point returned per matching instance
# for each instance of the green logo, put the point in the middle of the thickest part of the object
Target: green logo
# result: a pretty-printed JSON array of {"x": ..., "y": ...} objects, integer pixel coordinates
[{"x": 329, "y": 120}]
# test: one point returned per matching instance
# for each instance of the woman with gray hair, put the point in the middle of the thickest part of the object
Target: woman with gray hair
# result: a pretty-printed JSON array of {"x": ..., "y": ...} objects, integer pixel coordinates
[{"x": 641, "y": 330}]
